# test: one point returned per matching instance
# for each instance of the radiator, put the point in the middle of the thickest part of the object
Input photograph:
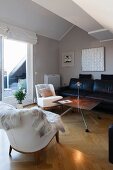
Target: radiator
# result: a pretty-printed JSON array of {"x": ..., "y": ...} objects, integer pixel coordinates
[{"x": 52, "y": 79}]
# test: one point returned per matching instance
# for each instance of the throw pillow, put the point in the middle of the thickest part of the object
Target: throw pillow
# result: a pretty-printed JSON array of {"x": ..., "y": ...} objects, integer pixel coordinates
[{"x": 45, "y": 92}]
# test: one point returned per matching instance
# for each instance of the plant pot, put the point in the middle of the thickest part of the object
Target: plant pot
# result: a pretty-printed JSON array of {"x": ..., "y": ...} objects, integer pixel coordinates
[{"x": 19, "y": 106}]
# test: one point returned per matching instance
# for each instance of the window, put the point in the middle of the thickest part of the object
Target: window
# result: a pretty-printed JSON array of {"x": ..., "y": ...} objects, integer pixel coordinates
[{"x": 15, "y": 55}]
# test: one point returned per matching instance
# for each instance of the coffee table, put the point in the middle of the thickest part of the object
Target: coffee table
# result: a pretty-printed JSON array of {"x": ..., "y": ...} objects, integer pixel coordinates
[{"x": 81, "y": 104}]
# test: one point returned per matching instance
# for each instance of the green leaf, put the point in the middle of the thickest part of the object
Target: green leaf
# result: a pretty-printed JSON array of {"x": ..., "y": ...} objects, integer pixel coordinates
[{"x": 20, "y": 95}]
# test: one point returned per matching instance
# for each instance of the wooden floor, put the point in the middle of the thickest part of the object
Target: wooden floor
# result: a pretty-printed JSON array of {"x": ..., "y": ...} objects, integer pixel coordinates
[{"x": 77, "y": 150}]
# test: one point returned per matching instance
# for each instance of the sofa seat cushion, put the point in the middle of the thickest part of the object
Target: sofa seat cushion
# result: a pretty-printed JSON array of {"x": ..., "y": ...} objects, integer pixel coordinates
[
  {"x": 102, "y": 96},
  {"x": 66, "y": 93},
  {"x": 48, "y": 101}
]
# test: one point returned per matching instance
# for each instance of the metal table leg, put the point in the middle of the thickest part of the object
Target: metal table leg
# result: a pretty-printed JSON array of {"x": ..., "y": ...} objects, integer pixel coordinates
[
  {"x": 98, "y": 116},
  {"x": 85, "y": 123},
  {"x": 83, "y": 117},
  {"x": 66, "y": 111}
]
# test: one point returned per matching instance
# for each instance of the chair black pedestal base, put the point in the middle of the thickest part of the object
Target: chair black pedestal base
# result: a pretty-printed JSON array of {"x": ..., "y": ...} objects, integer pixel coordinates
[
  {"x": 111, "y": 143},
  {"x": 87, "y": 130}
]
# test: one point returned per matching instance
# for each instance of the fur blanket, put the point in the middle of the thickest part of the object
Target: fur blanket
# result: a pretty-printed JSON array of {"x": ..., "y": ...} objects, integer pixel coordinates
[
  {"x": 9, "y": 117},
  {"x": 46, "y": 121},
  {"x": 42, "y": 121}
]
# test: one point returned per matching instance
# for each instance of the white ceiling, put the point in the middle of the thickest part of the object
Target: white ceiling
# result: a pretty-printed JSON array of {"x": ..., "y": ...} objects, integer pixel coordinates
[
  {"x": 90, "y": 15},
  {"x": 100, "y": 10},
  {"x": 29, "y": 15}
]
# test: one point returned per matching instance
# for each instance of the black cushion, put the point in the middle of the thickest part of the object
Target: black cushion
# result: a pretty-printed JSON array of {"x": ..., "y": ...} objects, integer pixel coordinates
[
  {"x": 101, "y": 96},
  {"x": 106, "y": 76},
  {"x": 85, "y": 76},
  {"x": 72, "y": 84},
  {"x": 73, "y": 93},
  {"x": 86, "y": 84},
  {"x": 103, "y": 86}
]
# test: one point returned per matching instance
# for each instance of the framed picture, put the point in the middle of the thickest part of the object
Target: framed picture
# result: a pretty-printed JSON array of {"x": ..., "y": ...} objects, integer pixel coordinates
[
  {"x": 68, "y": 59},
  {"x": 93, "y": 59}
]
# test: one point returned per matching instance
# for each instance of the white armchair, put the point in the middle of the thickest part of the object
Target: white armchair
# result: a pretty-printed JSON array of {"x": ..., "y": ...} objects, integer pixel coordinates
[
  {"x": 29, "y": 130},
  {"x": 46, "y": 101}
]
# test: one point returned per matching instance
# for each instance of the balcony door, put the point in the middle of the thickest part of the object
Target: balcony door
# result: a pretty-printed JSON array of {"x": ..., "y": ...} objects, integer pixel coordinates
[{"x": 16, "y": 59}]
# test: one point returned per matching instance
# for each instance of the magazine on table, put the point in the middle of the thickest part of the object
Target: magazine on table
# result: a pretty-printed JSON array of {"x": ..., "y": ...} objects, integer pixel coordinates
[{"x": 65, "y": 101}]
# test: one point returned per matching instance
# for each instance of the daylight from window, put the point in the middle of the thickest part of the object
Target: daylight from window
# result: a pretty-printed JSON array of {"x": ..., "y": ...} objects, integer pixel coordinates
[{"x": 15, "y": 53}]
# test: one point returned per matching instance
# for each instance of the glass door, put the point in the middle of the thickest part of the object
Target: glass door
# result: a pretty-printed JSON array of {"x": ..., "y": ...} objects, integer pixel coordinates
[
  {"x": 0, "y": 68},
  {"x": 15, "y": 69}
]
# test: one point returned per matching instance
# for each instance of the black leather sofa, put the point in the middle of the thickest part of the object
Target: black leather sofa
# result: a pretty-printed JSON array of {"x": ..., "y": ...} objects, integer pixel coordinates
[{"x": 96, "y": 89}]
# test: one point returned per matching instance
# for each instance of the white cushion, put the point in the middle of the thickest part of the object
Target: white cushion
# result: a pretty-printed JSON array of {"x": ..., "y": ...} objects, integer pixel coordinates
[
  {"x": 41, "y": 86},
  {"x": 45, "y": 92},
  {"x": 48, "y": 101}
]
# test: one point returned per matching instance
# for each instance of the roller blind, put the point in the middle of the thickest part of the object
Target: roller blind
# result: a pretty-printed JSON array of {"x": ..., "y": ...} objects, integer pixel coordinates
[{"x": 17, "y": 33}]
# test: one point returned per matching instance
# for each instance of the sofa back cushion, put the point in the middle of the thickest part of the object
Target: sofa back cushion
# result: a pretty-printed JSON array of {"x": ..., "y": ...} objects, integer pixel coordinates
[
  {"x": 72, "y": 83},
  {"x": 106, "y": 76},
  {"x": 85, "y": 76},
  {"x": 104, "y": 86},
  {"x": 86, "y": 84},
  {"x": 45, "y": 92}
]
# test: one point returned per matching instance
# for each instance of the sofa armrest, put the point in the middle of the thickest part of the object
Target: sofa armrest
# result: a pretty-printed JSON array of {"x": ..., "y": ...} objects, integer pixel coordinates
[{"x": 58, "y": 91}]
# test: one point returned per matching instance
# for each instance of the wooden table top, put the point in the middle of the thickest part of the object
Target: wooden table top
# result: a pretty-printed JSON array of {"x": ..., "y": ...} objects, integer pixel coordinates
[{"x": 81, "y": 103}]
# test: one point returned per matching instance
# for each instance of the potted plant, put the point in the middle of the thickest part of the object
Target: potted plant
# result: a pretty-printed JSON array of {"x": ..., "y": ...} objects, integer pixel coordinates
[{"x": 20, "y": 96}]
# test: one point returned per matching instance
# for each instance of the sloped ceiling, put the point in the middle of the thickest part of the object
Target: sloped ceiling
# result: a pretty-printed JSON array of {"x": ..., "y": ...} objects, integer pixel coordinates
[
  {"x": 29, "y": 15},
  {"x": 54, "y": 18},
  {"x": 100, "y": 10},
  {"x": 90, "y": 15}
]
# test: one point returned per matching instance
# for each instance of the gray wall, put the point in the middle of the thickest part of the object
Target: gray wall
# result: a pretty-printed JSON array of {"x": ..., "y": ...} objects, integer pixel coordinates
[
  {"x": 75, "y": 41},
  {"x": 45, "y": 54}
]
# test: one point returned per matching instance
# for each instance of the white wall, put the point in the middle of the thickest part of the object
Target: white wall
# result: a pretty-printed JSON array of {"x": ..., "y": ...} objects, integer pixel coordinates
[
  {"x": 76, "y": 40},
  {"x": 45, "y": 54}
]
